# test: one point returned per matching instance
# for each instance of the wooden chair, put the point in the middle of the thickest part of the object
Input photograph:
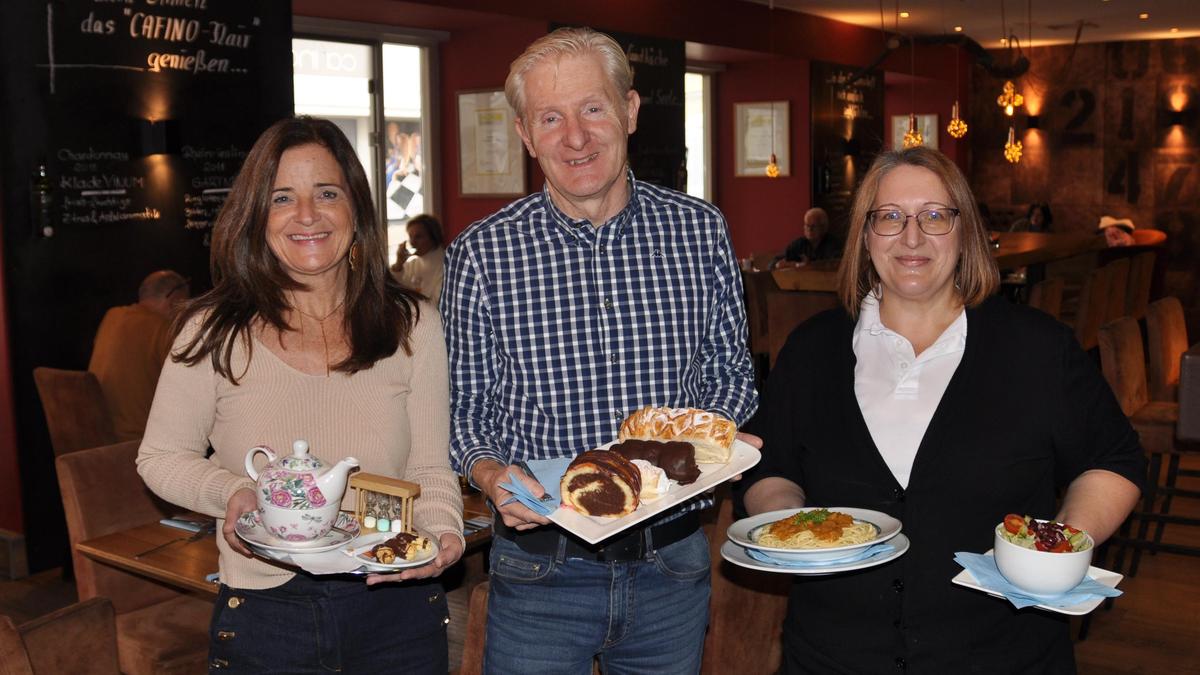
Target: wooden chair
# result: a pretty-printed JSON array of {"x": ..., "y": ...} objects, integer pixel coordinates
[
  {"x": 81, "y": 638},
  {"x": 76, "y": 413},
  {"x": 1093, "y": 306},
  {"x": 1123, "y": 363},
  {"x": 745, "y": 624},
  {"x": 1141, "y": 277},
  {"x": 1118, "y": 286},
  {"x": 159, "y": 629},
  {"x": 1046, "y": 295},
  {"x": 1166, "y": 333}
]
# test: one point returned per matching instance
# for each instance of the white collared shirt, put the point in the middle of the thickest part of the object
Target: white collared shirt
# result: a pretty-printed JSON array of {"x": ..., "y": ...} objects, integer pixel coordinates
[{"x": 897, "y": 391}]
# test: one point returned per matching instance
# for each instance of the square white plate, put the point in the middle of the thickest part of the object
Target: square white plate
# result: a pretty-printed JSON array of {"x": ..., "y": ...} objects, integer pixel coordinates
[
  {"x": 1110, "y": 579},
  {"x": 593, "y": 529}
]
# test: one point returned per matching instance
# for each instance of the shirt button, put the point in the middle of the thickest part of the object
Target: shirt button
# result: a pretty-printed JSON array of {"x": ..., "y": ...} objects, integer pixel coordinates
[
  {"x": 898, "y": 585},
  {"x": 603, "y": 248},
  {"x": 900, "y": 663},
  {"x": 903, "y": 365},
  {"x": 613, "y": 358},
  {"x": 898, "y": 494},
  {"x": 608, "y": 303},
  {"x": 896, "y": 623},
  {"x": 618, "y": 415}
]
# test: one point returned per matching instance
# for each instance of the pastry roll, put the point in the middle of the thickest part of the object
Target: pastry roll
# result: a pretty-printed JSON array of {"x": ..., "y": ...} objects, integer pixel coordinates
[{"x": 709, "y": 433}]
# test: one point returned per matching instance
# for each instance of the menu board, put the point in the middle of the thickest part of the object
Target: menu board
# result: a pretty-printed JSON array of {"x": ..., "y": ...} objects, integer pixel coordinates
[
  {"x": 657, "y": 150},
  {"x": 142, "y": 113}
]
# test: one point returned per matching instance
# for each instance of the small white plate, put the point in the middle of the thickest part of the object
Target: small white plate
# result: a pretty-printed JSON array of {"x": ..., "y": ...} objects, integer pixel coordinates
[
  {"x": 250, "y": 528},
  {"x": 1110, "y": 579},
  {"x": 740, "y": 532},
  {"x": 368, "y": 541},
  {"x": 738, "y": 556},
  {"x": 593, "y": 529}
]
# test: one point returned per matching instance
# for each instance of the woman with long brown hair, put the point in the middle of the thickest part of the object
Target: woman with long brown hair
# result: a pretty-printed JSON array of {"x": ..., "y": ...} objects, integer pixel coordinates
[{"x": 305, "y": 335}]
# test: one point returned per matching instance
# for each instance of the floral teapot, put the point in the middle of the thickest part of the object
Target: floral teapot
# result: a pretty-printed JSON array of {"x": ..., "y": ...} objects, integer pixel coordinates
[{"x": 298, "y": 496}]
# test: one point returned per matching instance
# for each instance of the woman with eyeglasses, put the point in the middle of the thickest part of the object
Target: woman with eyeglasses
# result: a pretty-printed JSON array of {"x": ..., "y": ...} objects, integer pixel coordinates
[{"x": 928, "y": 398}]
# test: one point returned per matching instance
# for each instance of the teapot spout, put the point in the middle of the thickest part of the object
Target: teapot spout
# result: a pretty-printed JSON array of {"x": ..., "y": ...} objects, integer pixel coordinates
[{"x": 333, "y": 482}]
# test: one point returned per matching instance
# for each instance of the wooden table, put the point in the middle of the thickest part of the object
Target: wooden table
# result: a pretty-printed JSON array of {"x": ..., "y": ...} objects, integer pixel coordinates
[{"x": 185, "y": 564}]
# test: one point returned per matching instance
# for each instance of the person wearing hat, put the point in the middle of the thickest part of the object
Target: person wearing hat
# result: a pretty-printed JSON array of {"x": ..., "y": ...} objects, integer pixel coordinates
[{"x": 1116, "y": 231}]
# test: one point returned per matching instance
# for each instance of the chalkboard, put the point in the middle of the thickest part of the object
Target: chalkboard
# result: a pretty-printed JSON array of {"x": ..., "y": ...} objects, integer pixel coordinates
[
  {"x": 847, "y": 122},
  {"x": 142, "y": 112},
  {"x": 657, "y": 149}
]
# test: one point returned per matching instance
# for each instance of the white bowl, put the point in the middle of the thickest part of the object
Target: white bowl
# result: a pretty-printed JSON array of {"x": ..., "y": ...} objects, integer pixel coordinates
[{"x": 1041, "y": 573}]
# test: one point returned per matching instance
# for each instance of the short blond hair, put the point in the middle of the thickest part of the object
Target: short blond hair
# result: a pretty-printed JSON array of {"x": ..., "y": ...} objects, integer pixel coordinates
[
  {"x": 569, "y": 42},
  {"x": 975, "y": 277}
]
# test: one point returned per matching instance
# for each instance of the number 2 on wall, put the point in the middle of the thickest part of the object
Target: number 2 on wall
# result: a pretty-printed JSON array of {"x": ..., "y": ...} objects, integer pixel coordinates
[{"x": 1087, "y": 105}]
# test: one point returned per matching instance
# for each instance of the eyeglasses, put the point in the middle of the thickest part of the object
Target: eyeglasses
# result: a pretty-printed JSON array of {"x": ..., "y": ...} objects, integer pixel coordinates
[{"x": 891, "y": 222}]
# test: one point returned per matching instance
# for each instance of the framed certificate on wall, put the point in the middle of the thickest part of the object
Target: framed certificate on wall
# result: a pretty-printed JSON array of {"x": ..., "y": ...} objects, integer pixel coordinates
[{"x": 491, "y": 155}]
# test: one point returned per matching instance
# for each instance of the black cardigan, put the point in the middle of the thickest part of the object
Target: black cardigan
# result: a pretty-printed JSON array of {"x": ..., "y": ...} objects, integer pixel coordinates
[{"x": 1025, "y": 413}]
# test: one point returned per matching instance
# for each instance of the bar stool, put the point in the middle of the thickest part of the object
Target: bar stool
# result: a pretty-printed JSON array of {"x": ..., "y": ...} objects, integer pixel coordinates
[
  {"x": 1166, "y": 333},
  {"x": 1093, "y": 307},
  {"x": 1046, "y": 295},
  {"x": 1123, "y": 363},
  {"x": 1118, "y": 288},
  {"x": 1141, "y": 278}
]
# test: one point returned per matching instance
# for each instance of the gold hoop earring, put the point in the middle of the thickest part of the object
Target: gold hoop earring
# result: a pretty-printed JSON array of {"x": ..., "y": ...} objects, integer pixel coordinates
[{"x": 353, "y": 256}]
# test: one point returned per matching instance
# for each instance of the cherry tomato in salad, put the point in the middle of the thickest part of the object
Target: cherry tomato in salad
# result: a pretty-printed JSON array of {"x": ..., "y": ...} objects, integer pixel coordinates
[{"x": 1013, "y": 523}]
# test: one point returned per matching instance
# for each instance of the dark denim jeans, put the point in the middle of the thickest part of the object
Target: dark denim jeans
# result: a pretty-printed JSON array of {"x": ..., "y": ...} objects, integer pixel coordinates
[
  {"x": 330, "y": 624},
  {"x": 550, "y": 615}
]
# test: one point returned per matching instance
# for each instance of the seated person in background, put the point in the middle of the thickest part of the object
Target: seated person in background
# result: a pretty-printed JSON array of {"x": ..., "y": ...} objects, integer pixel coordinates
[
  {"x": 814, "y": 245},
  {"x": 131, "y": 344},
  {"x": 1037, "y": 219},
  {"x": 1116, "y": 231},
  {"x": 424, "y": 270},
  {"x": 397, "y": 267}
]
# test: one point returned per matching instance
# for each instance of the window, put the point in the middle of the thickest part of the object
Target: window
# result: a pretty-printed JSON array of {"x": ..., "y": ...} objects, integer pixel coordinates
[
  {"x": 697, "y": 122},
  {"x": 374, "y": 83}
]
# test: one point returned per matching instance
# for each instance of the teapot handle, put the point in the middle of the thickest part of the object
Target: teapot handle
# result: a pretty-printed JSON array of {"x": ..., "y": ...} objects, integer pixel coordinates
[{"x": 250, "y": 470}]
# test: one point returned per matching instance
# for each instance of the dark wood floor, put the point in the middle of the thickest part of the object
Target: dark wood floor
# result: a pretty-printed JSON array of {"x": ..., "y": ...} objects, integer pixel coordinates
[{"x": 1153, "y": 628}]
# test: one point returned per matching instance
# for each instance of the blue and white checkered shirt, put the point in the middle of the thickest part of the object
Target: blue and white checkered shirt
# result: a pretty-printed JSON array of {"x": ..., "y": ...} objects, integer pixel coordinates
[{"x": 557, "y": 330}]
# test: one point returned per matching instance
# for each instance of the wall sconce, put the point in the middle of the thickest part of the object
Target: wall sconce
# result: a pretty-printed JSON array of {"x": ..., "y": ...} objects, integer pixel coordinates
[
  {"x": 1033, "y": 122},
  {"x": 1175, "y": 118},
  {"x": 158, "y": 137}
]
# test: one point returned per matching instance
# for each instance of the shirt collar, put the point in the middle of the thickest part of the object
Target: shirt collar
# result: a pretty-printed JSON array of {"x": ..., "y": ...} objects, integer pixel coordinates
[
  {"x": 869, "y": 322},
  {"x": 618, "y": 224}
]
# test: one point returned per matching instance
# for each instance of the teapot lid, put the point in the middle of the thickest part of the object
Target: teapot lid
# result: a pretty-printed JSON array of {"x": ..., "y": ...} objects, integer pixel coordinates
[{"x": 300, "y": 460}]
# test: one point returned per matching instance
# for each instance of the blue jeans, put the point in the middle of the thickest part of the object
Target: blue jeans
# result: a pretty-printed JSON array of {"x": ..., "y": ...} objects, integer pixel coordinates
[
  {"x": 330, "y": 624},
  {"x": 551, "y": 615}
]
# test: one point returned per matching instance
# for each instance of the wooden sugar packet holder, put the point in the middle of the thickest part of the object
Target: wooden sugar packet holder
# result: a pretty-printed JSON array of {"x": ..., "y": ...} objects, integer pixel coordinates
[{"x": 407, "y": 491}]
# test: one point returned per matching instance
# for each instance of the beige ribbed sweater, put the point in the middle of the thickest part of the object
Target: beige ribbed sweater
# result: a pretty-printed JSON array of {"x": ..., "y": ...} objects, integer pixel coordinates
[{"x": 394, "y": 417}]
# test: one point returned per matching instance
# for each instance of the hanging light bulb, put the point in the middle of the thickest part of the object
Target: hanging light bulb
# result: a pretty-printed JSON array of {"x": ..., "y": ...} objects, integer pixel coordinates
[
  {"x": 1012, "y": 149},
  {"x": 913, "y": 137},
  {"x": 957, "y": 128},
  {"x": 1010, "y": 100}
]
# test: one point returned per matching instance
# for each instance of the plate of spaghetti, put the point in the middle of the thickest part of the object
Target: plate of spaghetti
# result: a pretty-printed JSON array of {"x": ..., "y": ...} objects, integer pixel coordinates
[{"x": 824, "y": 533}]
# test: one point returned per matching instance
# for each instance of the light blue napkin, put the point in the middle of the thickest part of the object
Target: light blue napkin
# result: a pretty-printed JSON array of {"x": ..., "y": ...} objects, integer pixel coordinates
[
  {"x": 867, "y": 553},
  {"x": 549, "y": 473},
  {"x": 983, "y": 568}
]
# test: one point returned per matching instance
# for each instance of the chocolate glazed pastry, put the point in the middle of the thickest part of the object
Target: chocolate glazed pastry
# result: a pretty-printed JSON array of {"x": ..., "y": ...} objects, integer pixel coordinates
[
  {"x": 601, "y": 483},
  {"x": 676, "y": 458}
]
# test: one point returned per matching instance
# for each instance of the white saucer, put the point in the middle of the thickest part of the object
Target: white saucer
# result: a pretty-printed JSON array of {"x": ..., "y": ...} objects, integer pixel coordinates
[
  {"x": 738, "y": 556},
  {"x": 368, "y": 541},
  {"x": 250, "y": 528},
  {"x": 742, "y": 532},
  {"x": 1110, "y": 579}
]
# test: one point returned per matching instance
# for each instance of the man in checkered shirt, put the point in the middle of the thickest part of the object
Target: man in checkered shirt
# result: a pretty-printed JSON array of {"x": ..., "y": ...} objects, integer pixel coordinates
[{"x": 564, "y": 312}]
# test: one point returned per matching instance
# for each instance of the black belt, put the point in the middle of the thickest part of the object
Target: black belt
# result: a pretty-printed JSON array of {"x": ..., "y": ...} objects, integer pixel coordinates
[{"x": 630, "y": 546}]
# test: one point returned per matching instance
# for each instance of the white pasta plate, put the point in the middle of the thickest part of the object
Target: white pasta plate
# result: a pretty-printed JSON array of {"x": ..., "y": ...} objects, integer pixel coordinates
[
  {"x": 739, "y": 556},
  {"x": 593, "y": 529},
  {"x": 743, "y": 533}
]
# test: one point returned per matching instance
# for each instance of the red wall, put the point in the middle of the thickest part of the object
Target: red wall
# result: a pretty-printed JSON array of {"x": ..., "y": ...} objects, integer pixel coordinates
[
  {"x": 764, "y": 214},
  {"x": 10, "y": 476}
]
